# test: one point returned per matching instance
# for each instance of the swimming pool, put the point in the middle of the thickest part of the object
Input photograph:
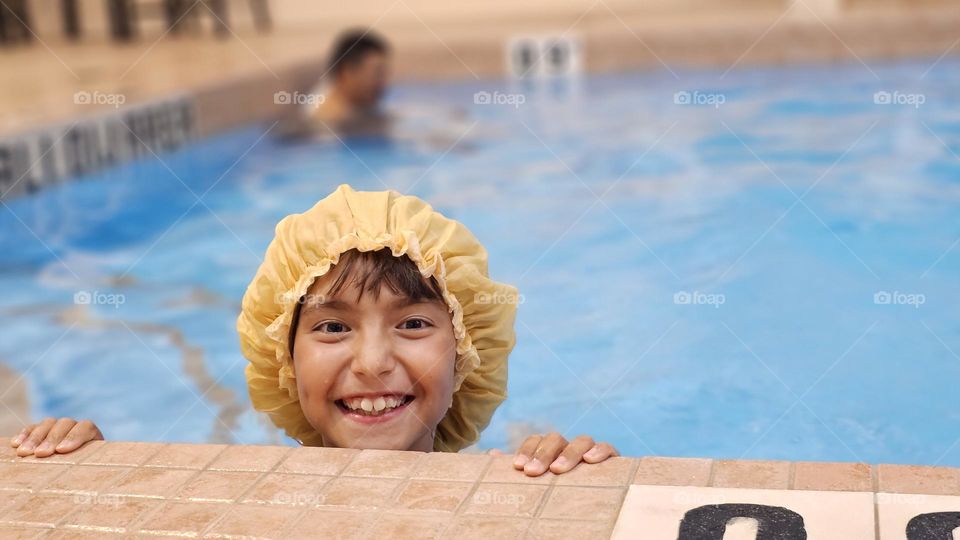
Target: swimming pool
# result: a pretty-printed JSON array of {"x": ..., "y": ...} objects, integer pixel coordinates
[{"x": 760, "y": 264}]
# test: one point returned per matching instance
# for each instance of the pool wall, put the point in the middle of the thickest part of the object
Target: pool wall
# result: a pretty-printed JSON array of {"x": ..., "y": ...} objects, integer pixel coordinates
[
  {"x": 279, "y": 492},
  {"x": 225, "y": 93}
]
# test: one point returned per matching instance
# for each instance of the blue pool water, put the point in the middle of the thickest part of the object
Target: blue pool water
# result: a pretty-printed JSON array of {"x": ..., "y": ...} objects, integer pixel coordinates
[{"x": 773, "y": 277}]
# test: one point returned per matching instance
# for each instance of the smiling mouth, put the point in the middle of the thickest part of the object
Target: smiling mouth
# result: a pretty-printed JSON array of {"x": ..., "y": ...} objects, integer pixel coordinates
[{"x": 374, "y": 407}]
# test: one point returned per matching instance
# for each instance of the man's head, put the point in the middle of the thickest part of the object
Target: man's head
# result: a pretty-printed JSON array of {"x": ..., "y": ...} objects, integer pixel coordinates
[
  {"x": 374, "y": 352},
  {"x": 360, "y": 67}
]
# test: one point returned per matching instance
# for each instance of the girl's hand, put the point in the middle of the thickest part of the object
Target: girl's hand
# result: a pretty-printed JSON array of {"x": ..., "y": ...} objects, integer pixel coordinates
[
  {"x": 52, "y": 436},
  {"x": 539, "y": 453}
]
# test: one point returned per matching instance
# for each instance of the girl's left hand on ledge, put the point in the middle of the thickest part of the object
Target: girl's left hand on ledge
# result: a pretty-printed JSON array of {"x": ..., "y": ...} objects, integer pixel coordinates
[{"x": 553, "y": 452}]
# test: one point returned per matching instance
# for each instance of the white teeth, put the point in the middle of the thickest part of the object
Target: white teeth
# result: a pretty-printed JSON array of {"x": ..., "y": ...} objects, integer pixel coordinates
[{"x": 374, "y": 406}]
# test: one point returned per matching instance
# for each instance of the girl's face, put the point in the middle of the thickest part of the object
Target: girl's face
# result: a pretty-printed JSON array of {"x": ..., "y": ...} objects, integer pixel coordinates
[{"x": 374, "y": 370}]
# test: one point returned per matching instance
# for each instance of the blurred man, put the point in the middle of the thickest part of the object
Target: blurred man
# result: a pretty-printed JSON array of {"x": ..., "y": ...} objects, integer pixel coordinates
[{"x": 357, "y": 79}]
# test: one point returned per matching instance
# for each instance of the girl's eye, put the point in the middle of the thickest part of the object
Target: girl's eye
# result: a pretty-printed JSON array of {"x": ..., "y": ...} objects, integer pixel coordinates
[
  {"x": 332, "y": 327},
  {"x": 414, "y": 324}
]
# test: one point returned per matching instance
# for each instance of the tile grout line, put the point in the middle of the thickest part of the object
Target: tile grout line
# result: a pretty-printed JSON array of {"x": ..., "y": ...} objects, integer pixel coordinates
[
  {"x": 230, "y": 506},
  {"x": 875, "y": 485}
]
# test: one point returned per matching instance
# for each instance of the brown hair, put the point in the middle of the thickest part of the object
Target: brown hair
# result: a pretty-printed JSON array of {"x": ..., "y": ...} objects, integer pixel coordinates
[{"x": 371, "y": 270}]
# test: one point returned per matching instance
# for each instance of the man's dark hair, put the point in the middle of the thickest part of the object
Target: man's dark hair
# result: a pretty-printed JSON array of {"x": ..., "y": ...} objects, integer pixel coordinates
[{"x": 353, "y": 46}]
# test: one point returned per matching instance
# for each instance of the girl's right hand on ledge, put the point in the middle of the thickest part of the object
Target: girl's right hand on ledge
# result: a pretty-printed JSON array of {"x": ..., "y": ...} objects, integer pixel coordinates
[{"x": 52, "y": 436}]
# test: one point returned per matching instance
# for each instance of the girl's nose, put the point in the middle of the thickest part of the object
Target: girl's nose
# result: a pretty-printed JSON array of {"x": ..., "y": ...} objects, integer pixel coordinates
[{"x": 373, "y": 357}]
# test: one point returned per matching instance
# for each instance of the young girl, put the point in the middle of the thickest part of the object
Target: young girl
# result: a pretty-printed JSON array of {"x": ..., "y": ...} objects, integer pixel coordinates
[{"x": 372, "y": 323}]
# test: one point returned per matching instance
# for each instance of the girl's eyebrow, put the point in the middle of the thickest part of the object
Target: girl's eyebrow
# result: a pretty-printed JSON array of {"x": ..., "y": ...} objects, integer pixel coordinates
[
  {"x": 340, "y": 305},
  {"x": 335, "y": 305}
]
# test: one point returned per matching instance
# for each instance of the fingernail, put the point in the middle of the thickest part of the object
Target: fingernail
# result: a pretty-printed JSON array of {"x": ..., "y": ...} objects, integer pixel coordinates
[
  {"x": 63, "y": 444},
  {"x": 26, "y": 448},
  {"x": 17, "y": 440},
  {"x": 520, "y": 461},
  {"x": 45, "y": 447},
  {"x": 561, "y": 462},
  {"x": 592, "y": 453},
  {"x": 534, "y": 466}
]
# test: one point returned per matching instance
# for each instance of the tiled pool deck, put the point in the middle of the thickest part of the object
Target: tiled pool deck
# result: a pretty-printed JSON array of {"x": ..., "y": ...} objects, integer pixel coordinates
[{"x": 219, "y": 491}]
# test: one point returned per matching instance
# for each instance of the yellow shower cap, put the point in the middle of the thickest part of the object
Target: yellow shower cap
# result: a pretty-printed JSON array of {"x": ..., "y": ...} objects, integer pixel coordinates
[{"x": 306, "y": 246}]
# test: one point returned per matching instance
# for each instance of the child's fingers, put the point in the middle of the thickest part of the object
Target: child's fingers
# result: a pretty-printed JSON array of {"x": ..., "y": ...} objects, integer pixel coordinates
[
  {"x": 548, "y": 450},
  {"x": 56, "y": 434},
  {"x": 572, "y": 454},
  {"x": 84, "y": 431},
  {"x": 526, "y": 451},
  {"x": 600, "y": 452},
  {"x": 18, "y": 439},
  {"x": 37, "y": 434}
]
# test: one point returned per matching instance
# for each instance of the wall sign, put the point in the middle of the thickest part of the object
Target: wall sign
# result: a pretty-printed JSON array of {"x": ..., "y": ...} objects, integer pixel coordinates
[
  {"x": 544, "y": 56},
  {"x": 699, "y": 513},
  {"x": 54, "y": 154}
]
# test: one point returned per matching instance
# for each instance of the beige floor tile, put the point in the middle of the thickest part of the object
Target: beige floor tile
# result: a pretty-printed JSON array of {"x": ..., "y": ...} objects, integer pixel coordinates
[
  {"x": 555, "y": 529},
  {"x": 383, "y": 464},
  {"x": 84, "y": 478},
  {"x": 487, "y": 528},
  {"x": 28, "y": 476},
  {"x": 433, "y": 495},
  {"x": 323, "y": 461},
  {"x": 403, "y": 527},
  {"x": 932, "y": 515},
  {"x": 288, "y": 489},
  {"x": 249, "y": 458},
  {"x": 657, "y": 511},
  {"x": 664, "y": 471},
  {"x": 751, "y": 474},
  {"x": 520, "y": 500},
  {"x": 217, "y": 486},
  {"x": 253, "y": 521},
  {"x": 586, "y": 503},
  {"x": 146, "y": 482},
  {"x": 360, "y": 493},
  {"x": 449, "y": 466},
  {"x": 10, "y": 532},
  {"x": 186, "y": 456},
  {"x": 832, "y": 476},
  {"x": 183, "y": 519},
  {"x": 122, "y": 453},
  {"x": 333, "y": 524},
  {"x": 40, "y": 510},
  {"x": 916, "y": 479},
  {"x": 108, "y": 512}
]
